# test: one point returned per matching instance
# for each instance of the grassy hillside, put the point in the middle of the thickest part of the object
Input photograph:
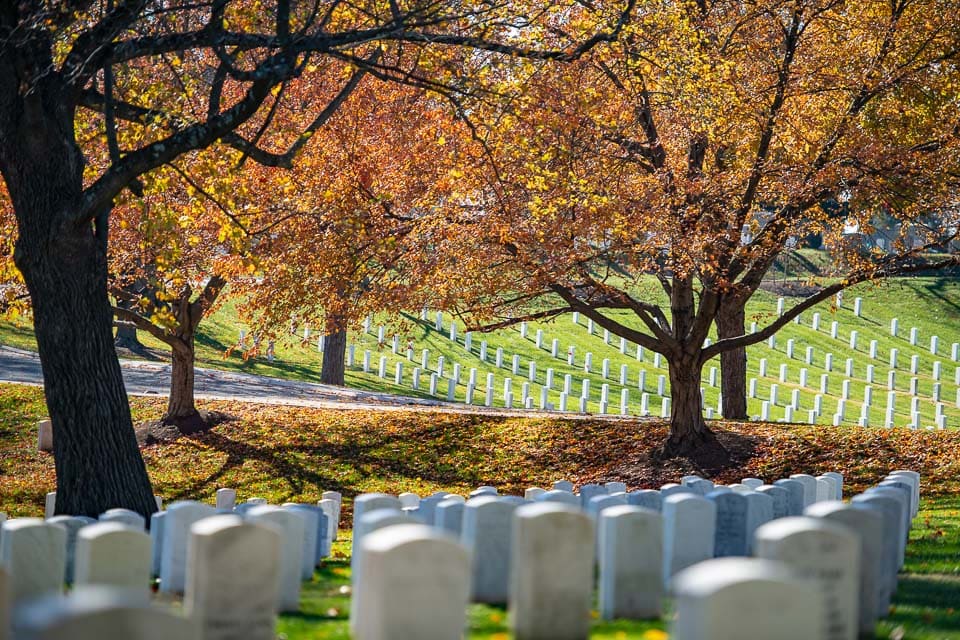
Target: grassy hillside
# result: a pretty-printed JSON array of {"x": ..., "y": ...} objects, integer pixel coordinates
[
  {"x": 294, "y": 454},
  {"x": 932, "y": 305}
]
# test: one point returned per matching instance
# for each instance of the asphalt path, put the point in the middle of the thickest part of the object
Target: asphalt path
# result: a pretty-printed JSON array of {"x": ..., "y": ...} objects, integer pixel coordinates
[{"x": 153, "y": 379}]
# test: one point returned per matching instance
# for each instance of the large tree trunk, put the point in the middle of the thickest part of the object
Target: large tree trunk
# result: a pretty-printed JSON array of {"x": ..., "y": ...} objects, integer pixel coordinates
[
  {"x": 64, "y": 264},
  {"x": 733, "y": 363},
  {"x": 688, "y": 431},
  {"x": 689, "y": 435},
  {"x": 334, "y": 352}
]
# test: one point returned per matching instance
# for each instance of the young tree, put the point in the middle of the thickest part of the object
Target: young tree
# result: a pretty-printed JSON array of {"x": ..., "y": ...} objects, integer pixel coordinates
[
  {"x": 691, "y": 151},
  {"x": 59, "y": 58},
  {"x": 368, "y": 190}
]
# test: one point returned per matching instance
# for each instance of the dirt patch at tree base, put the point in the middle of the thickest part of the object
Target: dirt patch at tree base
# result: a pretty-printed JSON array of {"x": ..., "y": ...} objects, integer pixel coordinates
[
  {"x": 167, "y": 430},
  {"x": 654, "y": 468}
]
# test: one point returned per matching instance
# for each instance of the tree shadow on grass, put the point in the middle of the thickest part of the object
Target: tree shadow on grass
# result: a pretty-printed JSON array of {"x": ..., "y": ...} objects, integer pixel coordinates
[{"x": 377, "y": 457}]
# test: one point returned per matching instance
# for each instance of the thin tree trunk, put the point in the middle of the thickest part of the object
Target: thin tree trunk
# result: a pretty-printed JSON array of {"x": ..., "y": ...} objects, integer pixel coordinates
[
  {"x": 733, "y": 363},
  {"x": 334, "y": 352},
  {"x": 127, "y": 337},
  {"x": 181, "y": 405}
]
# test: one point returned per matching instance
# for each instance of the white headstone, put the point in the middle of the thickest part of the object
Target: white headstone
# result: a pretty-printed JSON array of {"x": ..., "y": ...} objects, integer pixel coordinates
[
  {"x": 176, "y": 529},
  {"x": 114, "y": 554},
  {"x": 630, "y": 541},
  {"x": 233, "y": 578},
  {"x": 290, "y": 525},
  {"x": 415, "y": 584},
  {"x": 34, "y": 554},
  {"x": 869, "y": 527},
  {"x": 827, "y": 553},
  {"x": 486, "y": 533},
  {"x": 744, "y": 599},
  {"x": 95, "y": 613},
  {"x": 551, "y": 578},
  {"x": 688, "y": 531}
]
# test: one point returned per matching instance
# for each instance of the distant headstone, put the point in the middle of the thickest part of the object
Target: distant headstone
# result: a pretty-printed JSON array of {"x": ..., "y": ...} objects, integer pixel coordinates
[
  {"x": 558, "y": 495},
  {"x": 124, "y": 516},
  {"x": 45, "y": 435},
  {"x": 646, "y": 498},
  {"x": 796, "y": 501},
  {"x": 72, "y": 525},
  {"x": 730, "y": 535},
  {"x": 226, "y": 499}
]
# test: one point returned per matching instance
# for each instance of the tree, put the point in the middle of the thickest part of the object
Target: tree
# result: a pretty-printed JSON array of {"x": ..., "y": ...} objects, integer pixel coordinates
[
  {"x": 59, "y": 58},
  {"x": 690, "y": 152},
  {"x": 368, "y": 190}
]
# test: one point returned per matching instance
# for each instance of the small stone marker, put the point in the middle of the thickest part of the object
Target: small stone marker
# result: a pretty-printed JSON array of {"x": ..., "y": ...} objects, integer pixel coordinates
[
  {"x": 45, "y": 435},
  {"x": 314, "y": 533},
  {"x": 158, "y": 521},
  {"x": 233, "y": 578},
  {"x": 827, "y": 553},
  {"x": 71, "y": 524},
  {"x": 34, "y": 554},
  {"x": 415, "y": 584},
  {"x": 780, "y": 497},
  {"x": 369, "y": 502},
  {"x": 630, "y": 543},
  {"x": 744, "y": 599},
  {"x": 551, "y": 599},
  {"x": 590, "y": 491},
  {"x": 226, "y": 499},
  {"x": 50, "y": 505},
  {"x": 888, "y": 510},
  {"x": 487, "y": 534},
  {"x": 114, "y": 554}
]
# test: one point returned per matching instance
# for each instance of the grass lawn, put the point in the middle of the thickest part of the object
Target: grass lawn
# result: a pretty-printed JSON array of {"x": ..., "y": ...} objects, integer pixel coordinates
[
  {"x": 932, "y": 305},
  {"x": 293, "y": 454}
]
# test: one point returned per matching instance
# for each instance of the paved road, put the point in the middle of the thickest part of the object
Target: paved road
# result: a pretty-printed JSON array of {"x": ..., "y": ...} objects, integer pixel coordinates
[{"x": 153, "y": 379}]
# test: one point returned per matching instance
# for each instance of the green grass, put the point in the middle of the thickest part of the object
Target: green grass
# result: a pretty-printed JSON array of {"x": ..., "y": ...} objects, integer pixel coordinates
[{"x": 930, "y": 304}]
